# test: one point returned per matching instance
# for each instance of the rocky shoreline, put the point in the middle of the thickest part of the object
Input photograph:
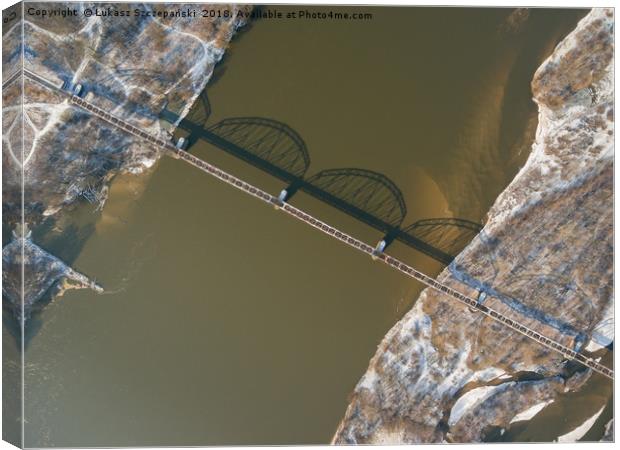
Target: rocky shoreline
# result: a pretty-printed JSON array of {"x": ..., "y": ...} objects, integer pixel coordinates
[{"x": 545, "y": 256}]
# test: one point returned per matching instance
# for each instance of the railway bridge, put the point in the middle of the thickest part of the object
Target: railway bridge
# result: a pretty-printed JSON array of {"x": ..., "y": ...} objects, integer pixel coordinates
[{"x": 282, "y": 204}]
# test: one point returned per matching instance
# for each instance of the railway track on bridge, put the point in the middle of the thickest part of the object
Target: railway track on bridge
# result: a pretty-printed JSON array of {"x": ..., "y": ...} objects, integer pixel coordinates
[{"x": 331, "y": 231}]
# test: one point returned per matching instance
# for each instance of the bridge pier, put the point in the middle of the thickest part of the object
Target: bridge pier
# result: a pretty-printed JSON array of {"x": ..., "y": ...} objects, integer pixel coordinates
[
  {"x": 288, "y": 192},
  {"x": 381, "y": 245},
  {"x": 579, "y": 341},
  {"x": 385, "y": 243},
  {"x": 482, "y": 295},
  {"x": 279, "y": 201}
]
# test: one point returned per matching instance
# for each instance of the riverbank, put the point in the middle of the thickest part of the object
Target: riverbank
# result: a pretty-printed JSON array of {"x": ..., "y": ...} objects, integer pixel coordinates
[
  {"x": 445, "y": 374},
  {"x": 134, "y": 82}
]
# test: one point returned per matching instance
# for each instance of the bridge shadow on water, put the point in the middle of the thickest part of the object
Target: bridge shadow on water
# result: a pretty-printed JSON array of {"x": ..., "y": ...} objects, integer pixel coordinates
[{"x": 366, "y": 195}]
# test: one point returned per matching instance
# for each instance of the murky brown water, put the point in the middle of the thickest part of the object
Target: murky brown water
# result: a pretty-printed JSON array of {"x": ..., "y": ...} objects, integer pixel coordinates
[{"x": 227, "y": 322}]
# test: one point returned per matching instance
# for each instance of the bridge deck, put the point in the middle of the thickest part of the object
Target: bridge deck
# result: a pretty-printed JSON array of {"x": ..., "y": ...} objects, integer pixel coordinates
[{"x": 331, "y": 231}]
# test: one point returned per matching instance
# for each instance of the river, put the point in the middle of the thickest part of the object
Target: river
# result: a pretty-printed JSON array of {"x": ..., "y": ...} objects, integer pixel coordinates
[{"x": 226, "y": 322}]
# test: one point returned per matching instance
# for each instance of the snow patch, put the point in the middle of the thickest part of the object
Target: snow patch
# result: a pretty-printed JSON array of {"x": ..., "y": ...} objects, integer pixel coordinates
[
  {"x": 581, "y": 430},
  {"x": 604, "y": 329},
  {"x": 471, "y": 399},
  {"x": 530, "y": 412},
  {"x": 368, "y": 380}
]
